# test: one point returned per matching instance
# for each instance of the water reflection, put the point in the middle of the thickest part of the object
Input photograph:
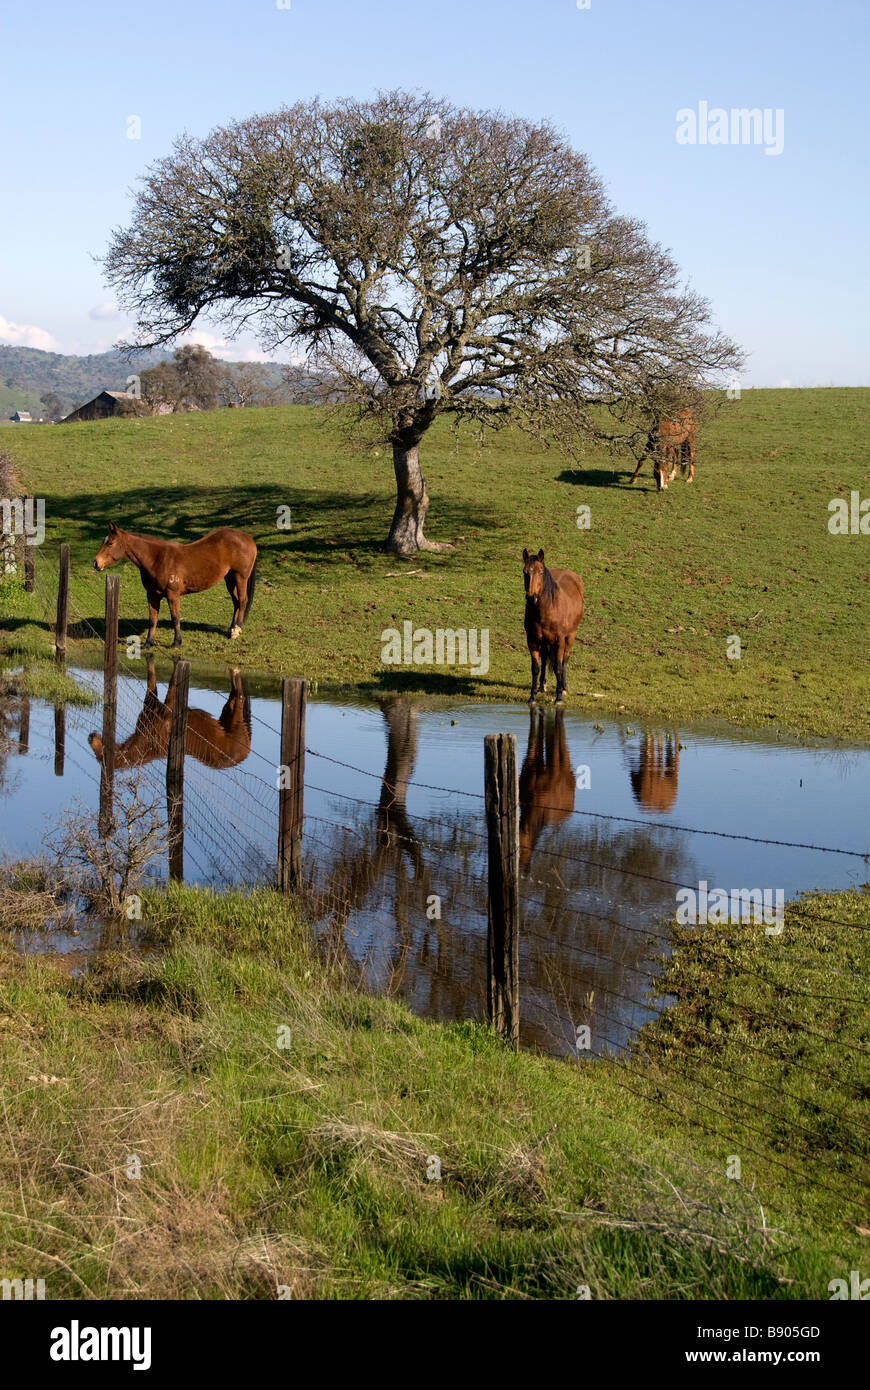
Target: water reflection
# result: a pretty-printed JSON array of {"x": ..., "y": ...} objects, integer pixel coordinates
[
  {"x": 219, "y": 743},
  {"x": 395, "y": 867},
  {"x": 547, "y": 782},
  {"x": 14, "y": 734},
  {"x": 403, "y": 899},
  {"x": 654, "y": 774},
  {"x": 378, "y": 863}
]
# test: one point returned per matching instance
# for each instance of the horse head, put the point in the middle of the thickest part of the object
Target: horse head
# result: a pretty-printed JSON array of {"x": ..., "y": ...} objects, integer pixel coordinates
[
  {"x": 533, "y": 574},
  {"x": 112, "y": 549}
]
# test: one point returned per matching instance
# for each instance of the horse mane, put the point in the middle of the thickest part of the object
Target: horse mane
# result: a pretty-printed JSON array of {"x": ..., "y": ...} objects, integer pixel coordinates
[{"x": 550, "y": 587}]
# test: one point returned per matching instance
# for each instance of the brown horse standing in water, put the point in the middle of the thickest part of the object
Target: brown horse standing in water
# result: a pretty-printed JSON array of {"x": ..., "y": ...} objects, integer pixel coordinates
[
  {"x": 670, "y": 442},
  {"x": 169, "y": 569},
  {"x": 554, "y": 607},
  {"x": 221, "y": 743}
]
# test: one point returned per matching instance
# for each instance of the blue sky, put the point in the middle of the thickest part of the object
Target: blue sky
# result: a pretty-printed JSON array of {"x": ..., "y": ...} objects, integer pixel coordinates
[{"x": 778, "y": 243}]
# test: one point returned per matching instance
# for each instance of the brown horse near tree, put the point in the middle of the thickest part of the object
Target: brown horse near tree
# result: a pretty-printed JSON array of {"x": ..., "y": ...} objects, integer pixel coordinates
[
  {"x": 554, "y": 608},
  {"x": 670, "y": 442},
  {"x": 169, "y": 569},
  {"x": 221, "y": 743}
]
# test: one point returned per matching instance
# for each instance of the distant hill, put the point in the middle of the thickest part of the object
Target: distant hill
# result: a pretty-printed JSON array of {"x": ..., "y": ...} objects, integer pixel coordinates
[
  {"x": 74, "y": 379},
  {"x": 14, "y": 398},
  {"x": 27, "y": 373}
]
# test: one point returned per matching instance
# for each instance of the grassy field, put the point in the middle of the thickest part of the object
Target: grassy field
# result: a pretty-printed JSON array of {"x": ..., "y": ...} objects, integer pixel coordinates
[
  {"x": 164, "y": 1138},
  {"x": 669, "y": 578}
]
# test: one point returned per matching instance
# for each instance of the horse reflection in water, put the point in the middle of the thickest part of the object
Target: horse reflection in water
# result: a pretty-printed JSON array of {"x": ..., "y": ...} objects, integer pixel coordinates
[
  {"x": 219, "y": 743},
  {"x": 654, "y": 778},
  {"x": 547, "y": 783}
]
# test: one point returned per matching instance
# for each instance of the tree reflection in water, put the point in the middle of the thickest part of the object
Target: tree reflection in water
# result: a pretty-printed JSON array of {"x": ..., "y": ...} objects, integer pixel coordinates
[{"x": 592, "y": 895}]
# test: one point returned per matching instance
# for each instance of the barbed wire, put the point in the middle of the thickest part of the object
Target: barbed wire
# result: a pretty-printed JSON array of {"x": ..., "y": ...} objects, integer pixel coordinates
[{"x": 597, "y": 815}]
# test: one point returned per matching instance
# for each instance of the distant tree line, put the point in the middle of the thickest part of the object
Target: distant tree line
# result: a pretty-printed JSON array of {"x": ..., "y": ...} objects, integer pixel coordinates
[{"x": 193, "y": 379}]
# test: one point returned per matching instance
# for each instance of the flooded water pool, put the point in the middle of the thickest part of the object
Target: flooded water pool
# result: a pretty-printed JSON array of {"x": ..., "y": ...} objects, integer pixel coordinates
[{"x": 615, "y": 821}]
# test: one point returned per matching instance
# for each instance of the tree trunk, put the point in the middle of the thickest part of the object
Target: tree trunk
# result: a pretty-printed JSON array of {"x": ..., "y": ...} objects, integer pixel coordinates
[{"x": 412, "y": 502}]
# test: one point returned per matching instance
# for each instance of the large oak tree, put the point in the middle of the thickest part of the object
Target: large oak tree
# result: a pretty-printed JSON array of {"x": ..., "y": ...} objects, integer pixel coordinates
[{"x": 442, "y": 261}]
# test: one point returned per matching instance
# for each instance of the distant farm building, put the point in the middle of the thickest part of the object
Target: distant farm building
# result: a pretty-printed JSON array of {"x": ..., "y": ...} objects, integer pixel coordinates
[
  {"x": 110, "y": 403},
  {"x": 22, "y": 417},
  {"x": 102, "y": 407}
]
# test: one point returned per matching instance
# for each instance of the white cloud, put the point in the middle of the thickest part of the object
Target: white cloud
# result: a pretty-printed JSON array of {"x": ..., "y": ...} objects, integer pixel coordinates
[
  {"x": 231, "y": 352},
  {"x": 201, "y": 338},
  {"x": 107, "y": 310},
  {"x": 27, "y": 335}
]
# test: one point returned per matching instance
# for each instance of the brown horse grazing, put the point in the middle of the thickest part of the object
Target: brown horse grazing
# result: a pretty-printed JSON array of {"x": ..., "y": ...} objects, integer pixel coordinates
[
  {"x": 554, "y": 607},
  {"x": 670, "y": 442},
  {"x": 169, "y": 569},
  {"x": 654, "y": 780},
  {"x": 223, "y": 742},
  {"x": 547, "y": 781}
]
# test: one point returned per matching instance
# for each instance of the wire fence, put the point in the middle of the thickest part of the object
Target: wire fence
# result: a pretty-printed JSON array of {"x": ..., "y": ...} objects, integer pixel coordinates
[{"x": 403, "y": 900}]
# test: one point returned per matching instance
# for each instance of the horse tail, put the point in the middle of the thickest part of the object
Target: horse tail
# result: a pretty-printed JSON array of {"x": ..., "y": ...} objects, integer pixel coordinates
[{"x": 252, "y": 583}]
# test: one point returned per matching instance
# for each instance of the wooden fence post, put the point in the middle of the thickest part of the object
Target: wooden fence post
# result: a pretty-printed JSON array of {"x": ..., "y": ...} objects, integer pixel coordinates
[
  {"x": 62, "y": 602},
  {"x": 29, "y": 552},
  {"x": 110, "y": 652},
  {"x": 175, "y": 769},
  {"x": 110, "y": 705},
  {"x": 501, "y": 786},
  {"x": 291, "y": 784},
  {"x": 7, "y": 540}
]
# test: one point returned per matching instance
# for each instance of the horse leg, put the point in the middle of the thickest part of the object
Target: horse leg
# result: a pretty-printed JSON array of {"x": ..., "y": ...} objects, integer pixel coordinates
[
  {"x": 237, "y": 588},
  {"x": 173, "y": 601},
  {"x": 689, "y": 448},
  {"x": 559, "y": 663},
  {"x": 569, "y": 643},
  {"x": 536, "y": 670},
  {"x": 640, "y": 463},
  {"x": 153, "y": 612}
]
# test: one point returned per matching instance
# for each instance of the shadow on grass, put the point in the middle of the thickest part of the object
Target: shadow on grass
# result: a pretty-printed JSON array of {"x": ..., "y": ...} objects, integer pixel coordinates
[
  {"x": 596, "y": 477},
  {"x": 423, "y": 681},
  {"x": 323, "y": 524}
]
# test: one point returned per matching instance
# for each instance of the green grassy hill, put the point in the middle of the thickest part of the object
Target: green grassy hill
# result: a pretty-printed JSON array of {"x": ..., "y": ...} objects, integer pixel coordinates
[
  {"x": 12, "y": 398},
  {"x": 73, "y": 378},
  {"x": 745, "y": 551}
]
